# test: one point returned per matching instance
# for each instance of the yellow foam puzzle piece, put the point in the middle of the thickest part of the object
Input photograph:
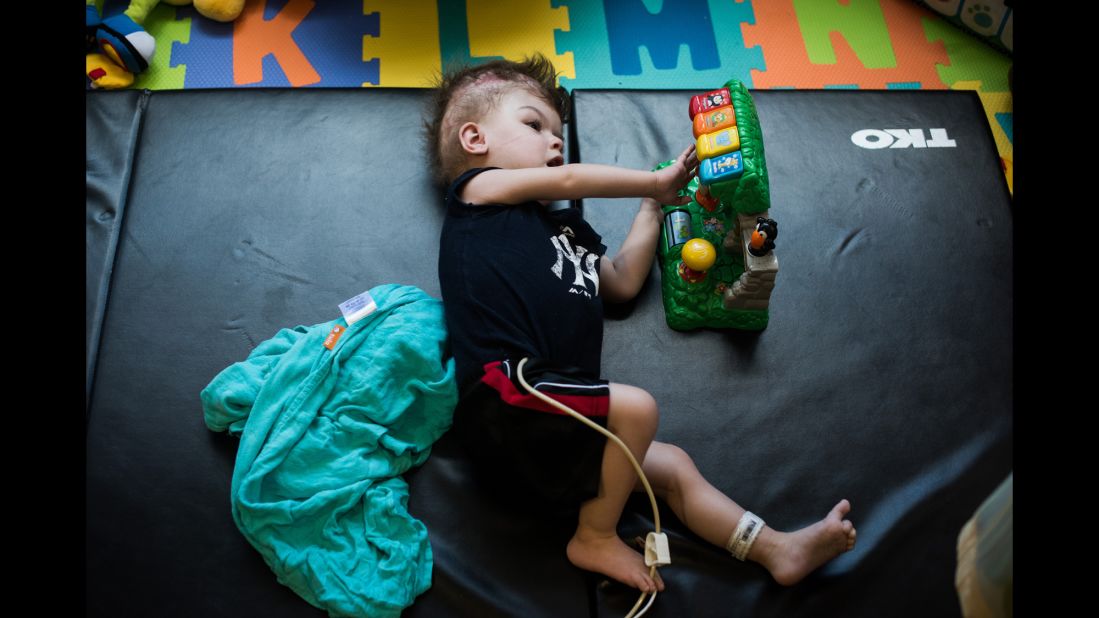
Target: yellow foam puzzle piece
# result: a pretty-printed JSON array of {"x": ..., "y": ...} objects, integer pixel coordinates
[
  {"x": 995, "y": 103},
  {"x": 407, "y": 45},
  {"x": 515, "y": 30}
]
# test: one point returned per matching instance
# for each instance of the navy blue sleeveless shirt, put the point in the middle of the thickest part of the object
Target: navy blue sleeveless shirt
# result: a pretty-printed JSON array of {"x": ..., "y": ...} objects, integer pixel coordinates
[{"x": 519, "y": 280}]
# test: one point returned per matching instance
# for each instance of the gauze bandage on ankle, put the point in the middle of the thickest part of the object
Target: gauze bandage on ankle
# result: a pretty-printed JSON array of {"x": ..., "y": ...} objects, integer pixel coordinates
[{"x": 745, "y": 534}]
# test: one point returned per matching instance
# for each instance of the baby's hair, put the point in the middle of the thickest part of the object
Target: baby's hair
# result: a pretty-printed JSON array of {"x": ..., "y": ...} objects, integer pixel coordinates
[{"x": 468, "y": 93}]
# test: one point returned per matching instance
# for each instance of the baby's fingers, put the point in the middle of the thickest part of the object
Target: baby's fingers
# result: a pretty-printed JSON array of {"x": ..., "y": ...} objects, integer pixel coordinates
[
  {"x": 687, "y": 155},
  {"x": 689, "y": 158}
]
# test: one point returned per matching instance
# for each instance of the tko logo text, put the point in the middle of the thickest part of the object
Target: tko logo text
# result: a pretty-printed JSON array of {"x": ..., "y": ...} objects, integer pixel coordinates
[{"x": 874, "y": 139}]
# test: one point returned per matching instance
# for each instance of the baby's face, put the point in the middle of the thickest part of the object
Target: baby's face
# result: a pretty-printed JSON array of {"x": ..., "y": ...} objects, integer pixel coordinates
[{"x": 523, "y": 131}]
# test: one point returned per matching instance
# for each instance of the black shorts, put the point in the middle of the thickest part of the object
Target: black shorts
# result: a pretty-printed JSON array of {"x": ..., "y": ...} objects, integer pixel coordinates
[{"x": 525, "y": 447}]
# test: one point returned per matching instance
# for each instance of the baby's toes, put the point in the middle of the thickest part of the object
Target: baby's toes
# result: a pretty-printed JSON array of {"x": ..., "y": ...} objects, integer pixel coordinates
[{"x": 841, "y": 509}]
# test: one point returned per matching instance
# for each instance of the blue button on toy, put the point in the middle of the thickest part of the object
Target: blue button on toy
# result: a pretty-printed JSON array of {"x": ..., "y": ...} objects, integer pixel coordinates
[{"x": 720, "y": 168}]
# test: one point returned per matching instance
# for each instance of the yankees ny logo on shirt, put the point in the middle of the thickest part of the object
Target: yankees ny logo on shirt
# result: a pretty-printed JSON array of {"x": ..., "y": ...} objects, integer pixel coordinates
[{"x": 583, "y": 264}]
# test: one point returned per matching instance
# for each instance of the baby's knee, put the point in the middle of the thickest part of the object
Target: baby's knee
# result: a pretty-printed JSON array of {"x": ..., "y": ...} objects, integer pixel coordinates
[
  {"x": 679, "y": 457},
  {"x": 681, "y": 468},
  {"x": 633, "y": 406},
  {"x": 647, "y": 409}
]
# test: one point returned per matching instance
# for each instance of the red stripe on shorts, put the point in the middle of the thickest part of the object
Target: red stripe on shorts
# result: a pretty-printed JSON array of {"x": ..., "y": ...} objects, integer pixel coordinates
[{"x": 597, "y": 405}]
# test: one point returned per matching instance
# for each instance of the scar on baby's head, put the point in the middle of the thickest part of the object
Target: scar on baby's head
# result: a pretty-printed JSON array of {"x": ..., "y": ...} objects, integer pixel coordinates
[{"x": 488, "y": 78}]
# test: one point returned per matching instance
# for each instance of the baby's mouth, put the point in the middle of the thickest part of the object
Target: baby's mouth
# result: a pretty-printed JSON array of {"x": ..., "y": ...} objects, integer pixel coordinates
[{"x": 556, "y": 161}]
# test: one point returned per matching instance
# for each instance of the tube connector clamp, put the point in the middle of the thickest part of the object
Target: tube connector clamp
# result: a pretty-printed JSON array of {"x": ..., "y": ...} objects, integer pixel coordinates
[{"x": 656, "y": 550}]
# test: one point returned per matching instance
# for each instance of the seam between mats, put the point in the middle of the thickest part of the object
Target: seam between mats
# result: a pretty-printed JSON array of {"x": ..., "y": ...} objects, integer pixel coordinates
[{"x": 112, "y": 251}]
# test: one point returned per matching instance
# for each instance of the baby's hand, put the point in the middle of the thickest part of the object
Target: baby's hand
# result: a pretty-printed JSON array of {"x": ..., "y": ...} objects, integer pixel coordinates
[{"x": 675, "y": 177}]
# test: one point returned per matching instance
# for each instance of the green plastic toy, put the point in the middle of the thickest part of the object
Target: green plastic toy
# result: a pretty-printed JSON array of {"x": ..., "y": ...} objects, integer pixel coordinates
[{"x": 716, "y": 253}]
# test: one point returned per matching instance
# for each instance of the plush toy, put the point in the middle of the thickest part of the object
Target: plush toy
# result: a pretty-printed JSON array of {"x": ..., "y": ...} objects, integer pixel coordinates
[
  {"x": 119, "y": 40},
  {"x": 119, "y": 47},
  {"x": 217, "y": 10}
]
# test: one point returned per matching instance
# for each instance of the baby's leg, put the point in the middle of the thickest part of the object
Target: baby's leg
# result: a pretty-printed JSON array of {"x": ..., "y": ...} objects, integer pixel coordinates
[
  {"x": 596, "y": 545},
  {"x": 713, "y": 516}
]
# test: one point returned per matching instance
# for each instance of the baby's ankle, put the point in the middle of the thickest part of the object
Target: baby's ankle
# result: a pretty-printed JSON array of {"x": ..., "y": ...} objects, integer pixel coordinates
[
  {"x": 588, "y": 533},
  {"x": 768, "y": 546}
]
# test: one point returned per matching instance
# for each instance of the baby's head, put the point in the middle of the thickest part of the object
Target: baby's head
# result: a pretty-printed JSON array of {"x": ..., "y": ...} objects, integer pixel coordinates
[{"x": 472, "y": 95}]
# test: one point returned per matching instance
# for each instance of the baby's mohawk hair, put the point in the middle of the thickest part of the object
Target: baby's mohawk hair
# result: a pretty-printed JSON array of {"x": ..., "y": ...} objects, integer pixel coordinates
[{"x": 468, "y": 93}]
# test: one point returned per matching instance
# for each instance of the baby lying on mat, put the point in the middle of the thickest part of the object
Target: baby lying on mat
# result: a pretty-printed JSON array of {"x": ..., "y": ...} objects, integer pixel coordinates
[{"x": 520, "y": 280}]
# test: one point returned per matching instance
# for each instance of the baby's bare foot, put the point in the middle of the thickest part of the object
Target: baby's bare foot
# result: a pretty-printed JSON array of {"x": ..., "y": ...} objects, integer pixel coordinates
[
  {"x": 613, "y": 558},
  {"x": 799, "y": 553}
]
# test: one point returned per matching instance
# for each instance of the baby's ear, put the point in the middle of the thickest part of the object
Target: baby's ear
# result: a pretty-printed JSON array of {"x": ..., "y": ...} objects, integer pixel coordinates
[{"x": 472, "y": 138}]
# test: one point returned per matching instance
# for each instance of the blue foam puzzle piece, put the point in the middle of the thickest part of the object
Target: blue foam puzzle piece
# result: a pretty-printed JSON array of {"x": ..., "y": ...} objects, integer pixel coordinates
[
  {"x": 631, "y": 26},
  {"x": 454, "y": 36},
  {"x": 656, "y": 62},
  {"x": 330, "y": 37},
  {"x": 208, "y": 55},
  {"x": 1004, "y": 119}
]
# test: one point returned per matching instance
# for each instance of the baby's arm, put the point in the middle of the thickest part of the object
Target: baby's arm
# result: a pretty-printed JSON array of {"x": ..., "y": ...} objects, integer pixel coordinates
[
  {"x": 621, "y": 278},
  {"x": 581, "y": 180}
]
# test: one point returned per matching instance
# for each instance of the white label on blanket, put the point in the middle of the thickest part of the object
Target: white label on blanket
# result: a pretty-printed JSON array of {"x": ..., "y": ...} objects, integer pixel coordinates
[{"x": 357, "y": 308}]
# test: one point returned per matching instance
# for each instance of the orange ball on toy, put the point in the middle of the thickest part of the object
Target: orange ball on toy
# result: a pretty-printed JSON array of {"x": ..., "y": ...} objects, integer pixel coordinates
[{"x": 698, "y": 254}]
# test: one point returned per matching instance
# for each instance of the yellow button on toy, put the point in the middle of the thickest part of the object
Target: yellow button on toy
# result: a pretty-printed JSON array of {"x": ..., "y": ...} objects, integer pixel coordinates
[
  {"x": 698, "y": 254},
  {"x": 717, "y": 143}
]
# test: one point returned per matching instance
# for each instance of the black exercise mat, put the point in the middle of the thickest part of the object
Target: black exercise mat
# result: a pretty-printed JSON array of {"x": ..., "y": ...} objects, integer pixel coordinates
[{"x": 253, "y": 210}]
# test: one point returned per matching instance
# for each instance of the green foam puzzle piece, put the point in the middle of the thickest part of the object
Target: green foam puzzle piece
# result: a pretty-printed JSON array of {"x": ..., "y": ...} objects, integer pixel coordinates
[
  {"x": 166, "y": 30},
  {"x": 860, "y": 22},
  {"x": 970, "y": 58}
]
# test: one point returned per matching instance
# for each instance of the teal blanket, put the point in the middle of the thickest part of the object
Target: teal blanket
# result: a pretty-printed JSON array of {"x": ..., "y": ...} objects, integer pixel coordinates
[{"x": 324, "y": 438}]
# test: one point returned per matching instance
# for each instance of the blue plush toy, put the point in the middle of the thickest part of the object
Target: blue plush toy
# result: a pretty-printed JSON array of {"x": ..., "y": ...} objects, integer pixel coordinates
[{"x": 118, "y": 46}]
